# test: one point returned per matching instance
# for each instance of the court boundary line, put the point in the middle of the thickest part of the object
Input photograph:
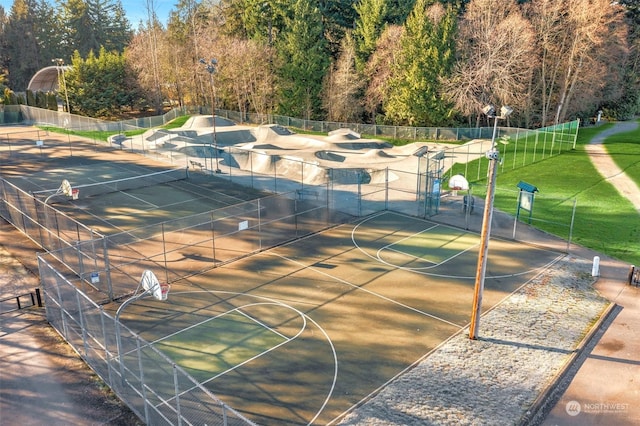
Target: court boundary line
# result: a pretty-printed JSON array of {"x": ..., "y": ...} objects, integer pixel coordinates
[
  {"x": 357, "y": 287},
  {"x": 435, "y": 225},
  {"x": 454, "y": 335},
  {"x": 418, "y": 271},
  {"x": 268, "y": 301}
]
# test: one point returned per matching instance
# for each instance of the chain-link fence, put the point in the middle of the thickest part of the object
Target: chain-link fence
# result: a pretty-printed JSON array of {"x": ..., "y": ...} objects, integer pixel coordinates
[
  {"x": 48, "y": 227},
  {"x": 158, "y": 390},
  {"x": 518, "y": 215}
]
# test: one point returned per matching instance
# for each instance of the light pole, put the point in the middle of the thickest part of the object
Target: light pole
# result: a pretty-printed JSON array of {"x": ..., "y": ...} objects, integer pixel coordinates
[
  {"x": 60, "y": 67},
  {"x": 493, "y": 156},
  {"x": 211, "y": 69}
]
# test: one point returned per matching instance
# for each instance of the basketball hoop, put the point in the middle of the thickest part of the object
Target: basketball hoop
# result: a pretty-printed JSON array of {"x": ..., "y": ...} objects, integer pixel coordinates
[
  {"x": 164, "y": 291},
  {"x": 151, "y": 284},
  {"x": 65, "y": 188},
  {"x": 75, "y": 193}
]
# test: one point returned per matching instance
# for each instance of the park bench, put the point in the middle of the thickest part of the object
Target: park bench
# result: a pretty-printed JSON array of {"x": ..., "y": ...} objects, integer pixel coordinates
[{"x": 195, "y": 164}]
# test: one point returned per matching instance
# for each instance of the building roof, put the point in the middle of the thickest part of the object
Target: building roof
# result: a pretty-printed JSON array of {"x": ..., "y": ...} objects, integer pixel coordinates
[{"x": 46, "y": 80}]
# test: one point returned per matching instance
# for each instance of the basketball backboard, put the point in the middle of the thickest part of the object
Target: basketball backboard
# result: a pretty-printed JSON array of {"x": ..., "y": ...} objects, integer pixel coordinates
[{"x": 151, "y": 284}]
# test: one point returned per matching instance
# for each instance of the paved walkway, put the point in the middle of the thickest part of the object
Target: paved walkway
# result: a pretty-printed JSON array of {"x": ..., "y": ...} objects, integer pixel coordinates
[
  {"x": 608, "y": 168},
  {"x": 42, "y": 380}
]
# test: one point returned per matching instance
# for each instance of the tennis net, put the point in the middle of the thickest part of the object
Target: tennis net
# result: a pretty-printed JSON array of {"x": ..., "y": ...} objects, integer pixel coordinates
[{"x": 124, "y": 184}]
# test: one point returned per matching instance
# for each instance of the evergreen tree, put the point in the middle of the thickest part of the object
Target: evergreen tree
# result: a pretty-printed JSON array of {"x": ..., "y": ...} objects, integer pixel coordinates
[
  {"x": 92, "y": 24},
  {"x": 259, "y": 20},
  {"x": 398, "y": 10},
  {"x": 628, "y": 105},
  {"x": 100, "y": 86},
  {"x": 369, "y": 25},
  {"x": 302, "y": 49},
  {"x": 427, "y": 55},
  {"x": 338, "y": 16},
  {"x": 23, "y": 49}
]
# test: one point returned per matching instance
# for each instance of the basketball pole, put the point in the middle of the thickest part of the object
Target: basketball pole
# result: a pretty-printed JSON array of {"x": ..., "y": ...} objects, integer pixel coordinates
[{"x": 494, "y": 157}]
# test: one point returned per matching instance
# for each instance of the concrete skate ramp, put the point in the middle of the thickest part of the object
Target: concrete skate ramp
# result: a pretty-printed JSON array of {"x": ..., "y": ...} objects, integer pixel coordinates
[
  {"x": 363, "y": 145},
  {"x": 282, "y": 138},
  {"x": 330, "y": 156},
  {"x": 233, "y": 136},
  {"x": 342, "y": 135},
  {"x": 381, "y": 176},
  {"x": 266, "y": 130},
  {"x": 262, "y": 147},
  {"x": 199, "y": 121},
  {"x": 377, "y": 154}
]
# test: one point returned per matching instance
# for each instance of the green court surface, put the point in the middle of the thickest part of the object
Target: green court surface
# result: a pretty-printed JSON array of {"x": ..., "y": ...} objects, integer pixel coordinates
[{"x": 301, "y": 333}]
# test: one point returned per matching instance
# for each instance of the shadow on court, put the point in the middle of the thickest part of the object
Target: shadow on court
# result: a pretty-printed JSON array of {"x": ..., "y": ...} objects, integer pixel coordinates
[{"x": 303, "y": 332}]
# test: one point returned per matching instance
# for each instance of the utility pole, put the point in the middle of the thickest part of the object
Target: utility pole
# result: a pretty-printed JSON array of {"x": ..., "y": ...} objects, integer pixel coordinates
[{"x": 494, "y": 157}]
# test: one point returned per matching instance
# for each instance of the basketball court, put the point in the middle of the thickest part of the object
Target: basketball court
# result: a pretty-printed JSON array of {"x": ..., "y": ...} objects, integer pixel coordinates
[{"x": 301, "y": 333}]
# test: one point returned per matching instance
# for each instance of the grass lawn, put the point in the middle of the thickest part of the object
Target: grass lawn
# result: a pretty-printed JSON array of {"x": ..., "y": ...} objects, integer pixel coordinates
[{"x": 604, "y": 220}]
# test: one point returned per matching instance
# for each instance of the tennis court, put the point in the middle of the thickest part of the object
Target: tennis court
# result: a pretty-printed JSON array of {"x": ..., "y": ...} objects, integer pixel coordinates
[
  {"x": 303, "y": 332},
  {"x": 115, "y": 198}
]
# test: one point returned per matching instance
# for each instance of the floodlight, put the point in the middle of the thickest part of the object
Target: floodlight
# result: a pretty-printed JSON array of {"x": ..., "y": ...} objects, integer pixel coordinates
[
  {"x": 202, "y": 61},
  {"x": 489, "y": 110},
  {"x": 505, "y": 111}
]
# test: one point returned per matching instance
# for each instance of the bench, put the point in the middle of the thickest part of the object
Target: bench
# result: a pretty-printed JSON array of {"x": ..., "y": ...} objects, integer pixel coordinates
[
  {"x": 307, "y": 193},
  {"x": 195, "y": 164}
]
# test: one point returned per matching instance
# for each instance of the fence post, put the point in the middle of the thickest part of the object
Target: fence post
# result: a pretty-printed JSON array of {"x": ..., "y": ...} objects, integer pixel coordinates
[
  {"x": 38, "y": 297},
  {"x": 177, "y": 394},
  {"x": 386, "y": 185},
  {"x": 143, "y": 387},
  {"x": 359, "y": 176},
  {"x": 107, "y": 268},
  {"x": 85, "y": 344}
]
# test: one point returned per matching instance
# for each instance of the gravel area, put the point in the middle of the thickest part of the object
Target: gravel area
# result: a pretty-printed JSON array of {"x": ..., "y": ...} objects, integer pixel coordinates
[{"x": 524, "y": 344}]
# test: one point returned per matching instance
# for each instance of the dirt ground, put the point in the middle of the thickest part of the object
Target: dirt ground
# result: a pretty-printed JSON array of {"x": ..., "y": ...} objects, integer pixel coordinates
[{"x": 42, "y": 380}]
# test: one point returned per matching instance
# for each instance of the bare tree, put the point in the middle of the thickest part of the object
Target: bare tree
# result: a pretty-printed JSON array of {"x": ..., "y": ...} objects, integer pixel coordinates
[
  {"x": 495, "y": 57},
  {"x": 379, "y": 68},
  {"x": 153, "y": 31},
  {"x": 578, "y": 40},
  {"x": 246, "y": 76},
  {"x": 343, "y": 85}
]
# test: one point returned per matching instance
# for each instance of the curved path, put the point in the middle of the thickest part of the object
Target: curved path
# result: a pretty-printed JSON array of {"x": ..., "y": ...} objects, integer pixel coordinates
[{"x": 608, "y": 168}]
